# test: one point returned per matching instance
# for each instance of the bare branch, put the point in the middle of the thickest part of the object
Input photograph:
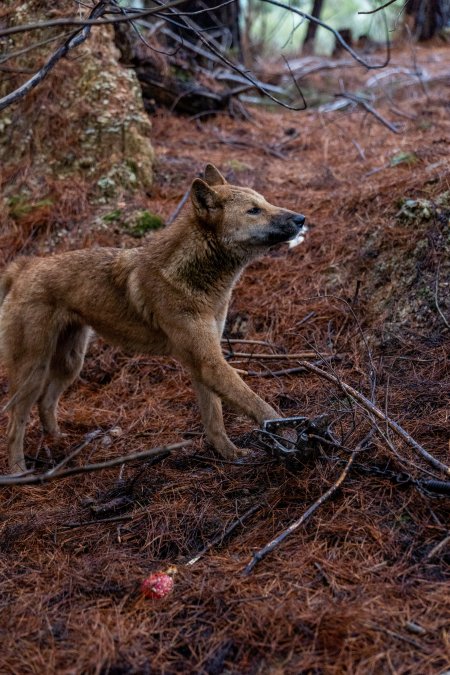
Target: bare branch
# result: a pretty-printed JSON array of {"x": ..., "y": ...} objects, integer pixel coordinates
[
  {"x": 337, "y": 35},
  {"x": 91, "y": 21},
  {"x": 215, "y": 49},
  {"x": 378, "y": 9},
  {"x": 359, "y": 100},
  {"x": 268, "y": 548},
  {"x": 36, "y": 45},
  {"x": 277, "y": 357},
  {"x": 49, "y": 475},
  {"x": 207, "y": 9},
  {"x": 113, "y": 13},
  {"x": 368, "y": 405}
]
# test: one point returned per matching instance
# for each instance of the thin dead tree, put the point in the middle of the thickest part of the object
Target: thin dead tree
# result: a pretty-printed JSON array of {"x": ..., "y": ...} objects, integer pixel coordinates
[{"x": 312, "y": 26}]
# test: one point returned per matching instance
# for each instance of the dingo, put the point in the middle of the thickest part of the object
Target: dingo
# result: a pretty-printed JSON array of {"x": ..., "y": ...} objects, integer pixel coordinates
[{"x": 168, "y": 297}]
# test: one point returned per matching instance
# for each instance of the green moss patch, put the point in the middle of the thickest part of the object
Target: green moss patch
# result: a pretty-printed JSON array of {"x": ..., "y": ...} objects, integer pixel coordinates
[
  {"x": 143, "y": 222},
  {"x": 20, "y": 206}
]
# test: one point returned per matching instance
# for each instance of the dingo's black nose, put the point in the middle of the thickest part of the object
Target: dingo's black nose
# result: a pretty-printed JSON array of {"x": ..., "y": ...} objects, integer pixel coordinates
[{"x": 298, "y": 219}]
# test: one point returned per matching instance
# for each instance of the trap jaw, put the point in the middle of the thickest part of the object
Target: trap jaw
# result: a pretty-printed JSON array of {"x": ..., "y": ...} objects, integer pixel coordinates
[{"x": 300, "y": 438}]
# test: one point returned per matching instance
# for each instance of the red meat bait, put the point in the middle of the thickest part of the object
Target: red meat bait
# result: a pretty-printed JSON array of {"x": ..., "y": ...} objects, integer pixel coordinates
[{"x": 157, "y": 585}]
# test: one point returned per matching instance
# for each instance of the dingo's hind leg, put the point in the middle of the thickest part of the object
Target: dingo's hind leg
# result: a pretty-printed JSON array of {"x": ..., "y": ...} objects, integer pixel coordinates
[{"x": 65, "y": 367}]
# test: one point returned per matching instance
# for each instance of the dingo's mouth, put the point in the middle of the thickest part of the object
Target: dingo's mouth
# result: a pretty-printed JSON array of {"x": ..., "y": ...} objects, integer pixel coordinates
[{"x": 299, "y": 237}]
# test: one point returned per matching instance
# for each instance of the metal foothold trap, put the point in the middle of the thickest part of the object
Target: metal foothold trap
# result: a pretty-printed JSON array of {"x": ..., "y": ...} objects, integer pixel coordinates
[{"x": 294, "y": 437}]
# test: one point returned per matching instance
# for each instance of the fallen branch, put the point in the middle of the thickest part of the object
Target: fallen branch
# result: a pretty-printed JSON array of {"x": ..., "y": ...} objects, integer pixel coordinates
[
  {"x": 359, "y": 100},
  {"x": 438, "y": 548},
  {"x": 265, "y": 343},
  {"x": 397, "y": 636},
  {"x": 273, "y": 373},
  {"x": 248, "y": 355},
  {"x": 50, "y": 475},
  {"x": 285, "y": 371},
  {"x": 88, "y": 439},
  {"x": 368, "y": 405},
  {"x": 268, "y": 548},
  {"x": 213, "y": 47}
]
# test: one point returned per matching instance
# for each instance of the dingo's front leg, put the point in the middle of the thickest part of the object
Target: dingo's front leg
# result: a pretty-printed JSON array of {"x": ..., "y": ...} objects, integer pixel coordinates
[
  {"x": 198, "y": 347},
  {"x": 212, "y": 417}
]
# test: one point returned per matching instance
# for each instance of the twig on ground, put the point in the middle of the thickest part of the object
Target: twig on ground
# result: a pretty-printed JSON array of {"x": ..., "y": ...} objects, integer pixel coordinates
[
  {"x": 359, "y": 100},
  {"x": 377, "y": 170},
  {"x": 359, "y": 149},
  {"x": 285, "y": 371},
  {"x": 404, "y": 462},
  {"x": 397, "y": 636},
  {"x": 218, "y": 539},
  {"x": 88, "y": 439},
  {"x": 220, "y": 460},
  {"x": 306, "y": 318},
  {"x": 438, "y": 548},
  {"x": 49, "y": 476},
  {"x": 255, "y": 355},
  {"x": 274, "y": 373},
  {"x": 259, "y": 555},
  {"x": 264, "y": 343}
]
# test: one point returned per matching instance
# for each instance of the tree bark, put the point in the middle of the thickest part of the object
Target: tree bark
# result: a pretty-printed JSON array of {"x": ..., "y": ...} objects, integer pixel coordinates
[
  {"x": 430, "y": 16},
  {"x": 85, "y": 121},
  {"x": 312, "y": 27},
  {"x": 159, "y": 76},
  {"x": 224, "y": 19}
]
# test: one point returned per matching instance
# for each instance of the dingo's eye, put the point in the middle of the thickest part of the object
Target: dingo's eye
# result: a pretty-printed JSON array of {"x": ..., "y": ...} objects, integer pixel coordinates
[{"x": 254, "y": 211}]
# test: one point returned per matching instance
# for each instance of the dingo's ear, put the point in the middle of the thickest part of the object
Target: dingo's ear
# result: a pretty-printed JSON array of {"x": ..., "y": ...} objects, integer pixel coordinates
[
  {"x": 203, "y": 197},
  {"x": 213, "y": 176}
]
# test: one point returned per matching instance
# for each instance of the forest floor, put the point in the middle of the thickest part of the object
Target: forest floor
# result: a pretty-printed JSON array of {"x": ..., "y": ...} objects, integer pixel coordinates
[{"x": 363, "y": 586}]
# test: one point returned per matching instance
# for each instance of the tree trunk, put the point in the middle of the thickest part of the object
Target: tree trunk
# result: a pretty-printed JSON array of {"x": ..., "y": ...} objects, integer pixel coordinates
[
  {"x": 84, "y": 122},
  {"x": 430, "y": 16},
  {"x": 312, "y": 27},
  {"x": 222, "y": 23},
  {"x": 171, "y": 80}
]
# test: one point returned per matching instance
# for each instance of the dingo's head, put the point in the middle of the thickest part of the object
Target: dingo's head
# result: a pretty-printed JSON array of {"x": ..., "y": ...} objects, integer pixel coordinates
[{"x": 240, "y": 217}]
